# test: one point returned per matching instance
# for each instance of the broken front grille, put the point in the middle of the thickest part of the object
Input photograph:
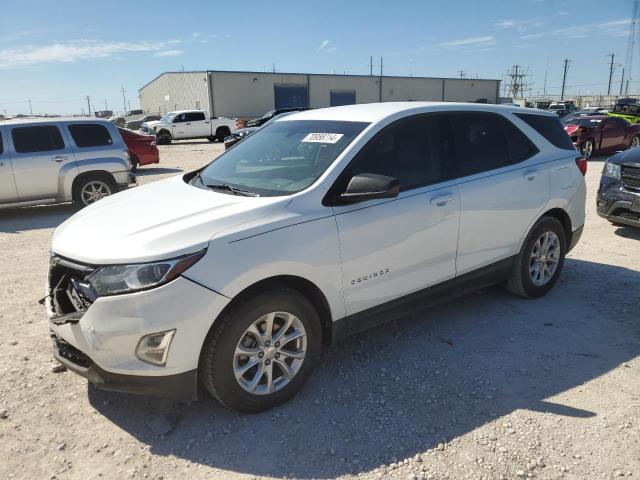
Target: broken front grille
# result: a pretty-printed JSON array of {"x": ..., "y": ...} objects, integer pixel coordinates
[
  {"x": 630, "y": 177},
  {"x": 69, "y": 291}
]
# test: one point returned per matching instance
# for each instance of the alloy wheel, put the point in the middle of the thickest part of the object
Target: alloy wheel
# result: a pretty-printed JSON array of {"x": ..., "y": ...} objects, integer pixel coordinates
[
  {"x": 93, "y": 191},
  {"x": 635, "y": 141},
  {"x": 270, "y": 353},
  {"x": 544, "y": 258},
  {"x": 587, "y": 149}
]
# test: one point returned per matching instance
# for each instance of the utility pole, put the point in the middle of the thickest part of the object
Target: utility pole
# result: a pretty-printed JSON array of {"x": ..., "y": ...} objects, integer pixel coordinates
[
  {"x": 371, "y": 66},
  {"x": 564, "y": 77},
  {"x": 30, "y": 108},
  {"x": 274, "y": 68},
  {"x": 621, "y": 81},
  {"x": 129, "y": 102},
  {"x": 89, "y": 105},
  {"x": 380, "y": 66},
  {"x": 105, "y": 104},
  {"x": 124, "y": 100},
  {"x": 462, "y": 73},
  {"x": 517, "y": 85},
  {"x": 612, "y": 55}
]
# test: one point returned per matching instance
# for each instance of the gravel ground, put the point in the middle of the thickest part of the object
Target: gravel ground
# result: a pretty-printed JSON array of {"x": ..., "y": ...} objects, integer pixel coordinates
[{"x": 486, "y": 387}]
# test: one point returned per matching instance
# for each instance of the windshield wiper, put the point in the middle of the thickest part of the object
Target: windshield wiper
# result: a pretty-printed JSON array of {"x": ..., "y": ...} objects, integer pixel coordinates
[{"x": 234, "y": 190}]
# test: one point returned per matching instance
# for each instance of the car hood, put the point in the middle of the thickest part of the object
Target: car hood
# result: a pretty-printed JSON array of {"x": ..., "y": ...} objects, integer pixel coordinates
[
  {"x": 157, "y": 221},
  {"x": 153, "y": 123}
]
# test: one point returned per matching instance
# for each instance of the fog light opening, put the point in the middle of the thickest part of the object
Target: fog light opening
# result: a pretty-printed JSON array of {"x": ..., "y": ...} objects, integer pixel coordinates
[{"x": 154, "y": 348}]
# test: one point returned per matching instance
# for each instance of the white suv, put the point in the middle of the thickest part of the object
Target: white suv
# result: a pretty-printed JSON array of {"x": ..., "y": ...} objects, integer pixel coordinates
[{"x": 322, "y": 224}]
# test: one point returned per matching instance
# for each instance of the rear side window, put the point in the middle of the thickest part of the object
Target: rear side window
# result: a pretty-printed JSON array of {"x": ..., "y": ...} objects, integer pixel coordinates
[
  {"x": 90, "y": 135},
  {"x": 40, "y": 138},
  {"x": 413, "y": 150},
  {"x": 480, "y": 142},
  {"x": 518, "y": 144},
  {"x": 549, "y": 127},
  {"x": 194, "y": 116}
]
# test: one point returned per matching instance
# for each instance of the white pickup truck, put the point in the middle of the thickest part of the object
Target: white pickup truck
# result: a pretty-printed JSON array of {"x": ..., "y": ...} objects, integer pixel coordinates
[{"x": 183, "y": 124}]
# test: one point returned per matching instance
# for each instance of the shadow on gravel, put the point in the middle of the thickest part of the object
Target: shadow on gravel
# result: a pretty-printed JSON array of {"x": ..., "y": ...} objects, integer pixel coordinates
[
  {"x": 146, "y": 171},
  {"x": 402, "y": 388},
  {"x": 18, "y": 220},
  {"x": 628, "y": 232}
]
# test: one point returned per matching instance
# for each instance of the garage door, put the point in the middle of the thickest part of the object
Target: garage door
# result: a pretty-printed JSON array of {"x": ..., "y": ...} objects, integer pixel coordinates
[
  {"x": 287, "y": 96},
  {"x": 343, "y": 97}
]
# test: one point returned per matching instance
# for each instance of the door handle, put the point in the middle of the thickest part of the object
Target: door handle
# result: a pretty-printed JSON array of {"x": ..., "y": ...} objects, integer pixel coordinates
[
  {"x": 530, "y": 174},
  {"x": 441, "y": 200},
  {"x": 188, "y": 123},
  {"x": 206, "y": 122},
  {"x": 60, "y": 158}
]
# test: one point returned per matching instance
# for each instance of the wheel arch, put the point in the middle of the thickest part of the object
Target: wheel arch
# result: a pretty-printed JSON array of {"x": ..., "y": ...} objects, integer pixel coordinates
[{"x": 563, "y": 217}]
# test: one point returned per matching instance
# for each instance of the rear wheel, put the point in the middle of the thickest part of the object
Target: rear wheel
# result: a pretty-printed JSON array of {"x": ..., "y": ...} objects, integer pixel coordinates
[
  {"x": 586, "y": 149},
  {"x": 222, "y": 132},
  {"x": 260, "y": 352},
  {"x": 539, "y": 263},
  {"x": 92, "y": 188}
]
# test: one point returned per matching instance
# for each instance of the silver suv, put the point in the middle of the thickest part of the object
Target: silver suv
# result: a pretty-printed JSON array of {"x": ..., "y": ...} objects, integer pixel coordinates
[{"x": 59, "y": 160}]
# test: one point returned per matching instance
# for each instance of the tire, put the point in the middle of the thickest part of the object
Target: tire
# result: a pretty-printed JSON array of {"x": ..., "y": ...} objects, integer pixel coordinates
[
  {"x": 635, "y": 141},
  {"x": 219, "y": 361},
  {"x": 163, "y": 138},
  {"x": 222, "y": 132},
  {"x": 91, "y": 188},
  {"x": 211, "y": 139},
  {"x": 135, "y": 163},
  {"x": 527, "y": 283},
  {"x": 587, "y": 148}
]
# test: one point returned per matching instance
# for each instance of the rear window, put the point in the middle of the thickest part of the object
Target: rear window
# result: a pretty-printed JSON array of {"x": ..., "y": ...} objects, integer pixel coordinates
[
  {"x": 549, "y": 127},
  {"x": 90, "y": 135},
  {"x": 40, "y": 138},
  {"x": 194, "y": 116}
]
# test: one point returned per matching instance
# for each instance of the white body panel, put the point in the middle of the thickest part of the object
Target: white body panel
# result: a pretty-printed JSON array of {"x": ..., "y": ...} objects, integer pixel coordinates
[{"x": 422, "y": 237}]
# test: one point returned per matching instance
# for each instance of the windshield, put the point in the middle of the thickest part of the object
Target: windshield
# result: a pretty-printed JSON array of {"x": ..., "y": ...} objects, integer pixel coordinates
[
  {"x": 556, "y": 107},
  {"x": 168, "y": 117},
  {"x": 282, "y": 158},
  {"x": 269, "y": 114}
]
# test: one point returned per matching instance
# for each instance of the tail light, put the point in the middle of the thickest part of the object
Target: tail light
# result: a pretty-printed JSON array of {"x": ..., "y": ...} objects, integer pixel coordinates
[{"x": 581, "y": 162}]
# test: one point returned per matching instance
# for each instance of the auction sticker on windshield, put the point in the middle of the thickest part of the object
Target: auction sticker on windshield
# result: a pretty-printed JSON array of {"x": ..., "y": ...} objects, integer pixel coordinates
[{"x": 322, "y": 138}]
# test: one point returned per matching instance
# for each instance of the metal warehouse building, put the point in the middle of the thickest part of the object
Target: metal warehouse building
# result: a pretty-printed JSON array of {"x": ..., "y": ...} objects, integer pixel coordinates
[{"x": 251, "y": 94}]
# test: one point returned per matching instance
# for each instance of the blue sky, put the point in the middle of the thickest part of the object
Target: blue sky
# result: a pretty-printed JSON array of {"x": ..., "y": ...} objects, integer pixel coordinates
[{"x": 57, "y": 52}]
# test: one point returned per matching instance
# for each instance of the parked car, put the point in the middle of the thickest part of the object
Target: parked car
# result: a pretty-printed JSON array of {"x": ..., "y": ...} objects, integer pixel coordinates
[
  {"x": 135, "y": 124},
  {"x": 142, "y": 148},
  {"x": 325, "y": 223},
  {"x": 628, "y": 111},
  {"x": 183, "y": 124},
  {"x": 118, "y": 120},
  {"x": 242, "y": 133},
  {"x": 561, "y": 109},
  {"x": 575, "y": 117},
  {"x": 601, "y": 134},
  {"x": 618, "y": 197},
  {"x": 256, "y": 122},
  {"x": 59, "y": 160}
]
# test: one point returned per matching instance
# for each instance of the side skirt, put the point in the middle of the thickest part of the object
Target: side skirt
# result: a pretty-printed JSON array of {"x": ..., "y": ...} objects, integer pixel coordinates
[{"x": 401, "y": 307}]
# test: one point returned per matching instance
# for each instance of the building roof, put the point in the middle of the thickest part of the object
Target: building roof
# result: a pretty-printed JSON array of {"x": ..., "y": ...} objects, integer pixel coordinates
[
  {"x": 374, "y": 112},
  {"x": 313, "y": 74}
]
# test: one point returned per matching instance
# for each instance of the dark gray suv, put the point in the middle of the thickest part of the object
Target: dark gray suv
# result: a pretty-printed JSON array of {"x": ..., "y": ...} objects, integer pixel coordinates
[{"x": 619, "y": 193}]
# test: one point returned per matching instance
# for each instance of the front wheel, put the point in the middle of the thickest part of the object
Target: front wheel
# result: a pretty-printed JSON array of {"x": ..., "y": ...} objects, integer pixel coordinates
[
  {"x": 540, "y": 261},
  {"x": 586, "y": 149},
  {"x": 135, "y": 163},
  {"x": 260, "y": 352},
  {"x": 635, "y": 141},
  {"x": 222, "y": 132}
]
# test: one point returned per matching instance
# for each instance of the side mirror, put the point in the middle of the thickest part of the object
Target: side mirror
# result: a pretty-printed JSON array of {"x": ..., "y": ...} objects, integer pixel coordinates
[{"x": 368, "y": 186}]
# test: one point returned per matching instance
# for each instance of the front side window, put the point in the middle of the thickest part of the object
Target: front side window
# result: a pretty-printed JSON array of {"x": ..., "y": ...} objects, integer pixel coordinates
[
  {"x": 182, "y": 117},
  {"x": 282, "y": 158},
  {"x": 415, "y": 150},
  {"x": 90, "y": 135},
  {"x": 480, "y": 142},
  {"x": 39, "y": 138}
]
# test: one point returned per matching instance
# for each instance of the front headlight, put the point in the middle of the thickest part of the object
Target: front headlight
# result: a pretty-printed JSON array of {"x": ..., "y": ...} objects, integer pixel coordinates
[
  {"x": 611, "y": 170},
  {"x": 118, "y": 279}
]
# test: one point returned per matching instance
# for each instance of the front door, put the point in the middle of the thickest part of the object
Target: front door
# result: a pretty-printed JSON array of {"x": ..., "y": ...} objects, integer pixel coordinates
[
  {"x": 393, "y": 247},
  {"x": 613, "y": 133},
  {"x": 38, "y": 153},
  {"x": 8, "y": 192}
]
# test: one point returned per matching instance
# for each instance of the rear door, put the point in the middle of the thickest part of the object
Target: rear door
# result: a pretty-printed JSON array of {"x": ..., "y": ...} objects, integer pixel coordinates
[
  {"x": 502, "y": 187},
  {"x": 198, "y": 125},
  {"x": 38, "y": 154},
  {"x": 394, "y": 247},
  {"x": 8, "y": 192}
]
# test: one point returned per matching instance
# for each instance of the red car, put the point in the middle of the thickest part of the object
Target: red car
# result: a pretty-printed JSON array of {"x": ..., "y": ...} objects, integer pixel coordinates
[
  {"x": 599, "y": 134},
  {"x": 142, "y": 148}
]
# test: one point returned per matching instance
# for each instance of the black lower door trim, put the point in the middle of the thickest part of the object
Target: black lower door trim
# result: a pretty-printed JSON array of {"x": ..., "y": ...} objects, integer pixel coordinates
[{"x": 493, "y": 274}]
